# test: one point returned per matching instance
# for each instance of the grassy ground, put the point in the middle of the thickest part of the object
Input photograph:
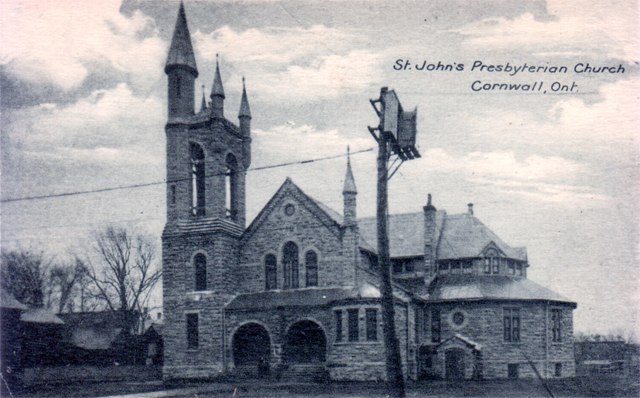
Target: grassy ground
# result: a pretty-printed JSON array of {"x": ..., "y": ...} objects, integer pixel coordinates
[{"x": 601, "y": 387}]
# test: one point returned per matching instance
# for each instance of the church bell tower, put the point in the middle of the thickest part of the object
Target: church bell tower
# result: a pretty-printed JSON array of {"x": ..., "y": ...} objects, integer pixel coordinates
[{"x": 207, "y": 161}]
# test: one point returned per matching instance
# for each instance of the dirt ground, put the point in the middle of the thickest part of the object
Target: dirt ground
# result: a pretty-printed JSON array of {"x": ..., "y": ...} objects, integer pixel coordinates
[{"x": 602, "y": 387}]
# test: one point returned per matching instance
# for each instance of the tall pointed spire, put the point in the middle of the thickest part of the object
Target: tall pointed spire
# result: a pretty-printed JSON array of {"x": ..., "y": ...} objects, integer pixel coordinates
[
  {"x": 217, "y": 89},
  {"x": 181, "y": 50},
  {"x": 349, "y": 181},
  {"x": 245, "y": 110},
  {"x": 203, "y": 104}
]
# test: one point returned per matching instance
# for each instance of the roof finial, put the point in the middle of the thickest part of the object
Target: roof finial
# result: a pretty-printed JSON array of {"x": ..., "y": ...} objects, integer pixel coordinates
[
  {"x": 349, "y": 181},
  {"x": 245, "y": 110},
  {"x": 203, "y": 105},
  {"x": 217, "y": 89},
  {"x": 428, "y": 199}
]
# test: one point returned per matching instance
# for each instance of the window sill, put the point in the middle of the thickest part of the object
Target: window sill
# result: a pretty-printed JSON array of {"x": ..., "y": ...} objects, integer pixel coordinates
[
  {"x": 200, "y": 294},
  {"x": 343, "y": 343}
]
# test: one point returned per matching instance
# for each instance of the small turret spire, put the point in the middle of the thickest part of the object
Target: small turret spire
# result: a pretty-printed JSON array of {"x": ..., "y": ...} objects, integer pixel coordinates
[
  {"x": 245, "y": 110},
  {"x": 181, "y": 50},
  {"x": 217, "y": 89},
  {"x": 349, "y": 181},
  {"x": 203, "y": 104}
]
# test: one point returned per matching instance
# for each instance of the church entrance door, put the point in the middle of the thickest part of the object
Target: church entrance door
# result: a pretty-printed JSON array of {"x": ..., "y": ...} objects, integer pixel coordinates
[
  {"x": 454, "y": 364},
  {"x": 251, "y": 346},
  {"x": 305, "y": 342}
]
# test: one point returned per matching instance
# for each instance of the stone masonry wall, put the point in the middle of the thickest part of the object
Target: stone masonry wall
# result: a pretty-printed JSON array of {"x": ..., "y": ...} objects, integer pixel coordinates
[
  {"x": 308, "y": 233},
  {"x": 483, "y": 324},
  {"x": 180, "y": 298}
]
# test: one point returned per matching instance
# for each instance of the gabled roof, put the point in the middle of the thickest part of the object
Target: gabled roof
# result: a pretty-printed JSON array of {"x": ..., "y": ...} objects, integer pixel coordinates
[
  {"x": 406, "y": 233},
  {"x": 464, "y": 236},
  {"x": 467, "y": 341},
  {"x": 493, "y": 287},
  {"x": 40, "y": 315},
  {"x": 459, "y": 236},
  {"x": 325, "y": 214},
  {"x": 7, "y": 301},
  {"x": 181, "y": 50}
]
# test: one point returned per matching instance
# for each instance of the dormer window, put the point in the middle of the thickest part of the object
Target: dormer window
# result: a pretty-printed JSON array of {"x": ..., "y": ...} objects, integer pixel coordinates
[{"x": 491, "y": 261}]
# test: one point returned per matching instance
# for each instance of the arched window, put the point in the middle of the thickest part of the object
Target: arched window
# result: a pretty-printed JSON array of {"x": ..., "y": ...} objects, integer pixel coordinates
[
  {"x": 270, "y": 272},
  {"x": 290, "y": 264},
  {"x": 200, "y": 265},
  {"x": 311, "y": 261},
  {"x": 197, "y": 180},
  {"x": 231, "y": 186}
]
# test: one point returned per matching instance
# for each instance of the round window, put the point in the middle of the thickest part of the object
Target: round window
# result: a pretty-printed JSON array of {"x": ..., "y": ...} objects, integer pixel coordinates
[
  {"x": 289, "y": 209},
  {"x": 458, "y": 318}
]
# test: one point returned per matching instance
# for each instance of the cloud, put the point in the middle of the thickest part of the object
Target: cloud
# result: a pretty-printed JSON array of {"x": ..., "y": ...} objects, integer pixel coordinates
[
  {"x": 270, "y": 45},
  {"x": 582, "y": 121},
  {"x": 505, "y": 164},
  {"x": 574, "y": 30},
  {"x": 294, "y": 64},
  {"x": 292, "y": 142},
  {"x": 106, "y": 126},
  {"x": 61, "y": 42}
]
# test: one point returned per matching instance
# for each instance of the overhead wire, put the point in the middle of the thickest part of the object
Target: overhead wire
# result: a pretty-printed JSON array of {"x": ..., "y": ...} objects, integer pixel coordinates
[{"x": 152, "y": 183}]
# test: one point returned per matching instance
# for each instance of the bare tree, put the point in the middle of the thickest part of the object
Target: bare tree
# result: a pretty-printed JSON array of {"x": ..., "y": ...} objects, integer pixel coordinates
[
  {"x": 124, "y": 273},
  {"x": 68, "y": 282},
  {"x": 25, "y": 275}
]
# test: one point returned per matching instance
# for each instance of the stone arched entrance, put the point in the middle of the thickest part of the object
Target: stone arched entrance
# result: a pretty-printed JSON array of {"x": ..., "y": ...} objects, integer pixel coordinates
[
  {"x": 251, "y": 345},
  {"x": 305, "y": 342},
  {"x": 454, "y": 364}
]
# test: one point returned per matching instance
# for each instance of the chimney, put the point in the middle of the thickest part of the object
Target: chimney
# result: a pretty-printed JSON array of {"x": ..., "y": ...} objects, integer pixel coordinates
[
  {"x": 430, "y": 238},
  {"x": 470, "y": 209}
]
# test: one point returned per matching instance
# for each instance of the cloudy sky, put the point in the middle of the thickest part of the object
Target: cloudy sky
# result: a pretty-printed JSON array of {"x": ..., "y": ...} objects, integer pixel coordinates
[{"x": 84, "y": 105}]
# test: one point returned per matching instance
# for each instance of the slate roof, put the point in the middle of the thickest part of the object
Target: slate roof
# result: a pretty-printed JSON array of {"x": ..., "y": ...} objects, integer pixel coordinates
[
  {"x": 406, "y": 233},
  {"x": 495, "y": 287},
  {"x": 181, "y": 50},
  {"x": 461, "y": 236},
  {"x": 40, "y": 315},
  {"x": 300, "y": 297},
  {"x": 9, "y": 302}
]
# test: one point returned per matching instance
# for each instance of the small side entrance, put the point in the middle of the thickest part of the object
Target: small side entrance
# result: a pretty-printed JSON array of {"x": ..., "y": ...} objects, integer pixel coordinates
[
  {"x": 454, "y": 364},
  {"x": 427, "y": 357}
]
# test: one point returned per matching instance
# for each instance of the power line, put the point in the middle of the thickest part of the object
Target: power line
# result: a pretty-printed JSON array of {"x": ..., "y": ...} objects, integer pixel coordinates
[{"x": 148, "y": 184}]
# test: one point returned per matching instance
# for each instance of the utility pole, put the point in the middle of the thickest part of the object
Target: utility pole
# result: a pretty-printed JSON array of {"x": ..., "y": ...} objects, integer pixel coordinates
[{"x": 395, "y": 136}]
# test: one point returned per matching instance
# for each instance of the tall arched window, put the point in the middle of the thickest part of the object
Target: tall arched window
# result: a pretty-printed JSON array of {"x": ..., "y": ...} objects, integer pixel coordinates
[
  {"x": 231, "y": 186},
  {"x": 270, "y": 272},
  {"x": 311, "y": 262},
  {"x": 197, "y": 180},
  {"x": 290, "y": 264},
  {"x": 200, "y": 265}
]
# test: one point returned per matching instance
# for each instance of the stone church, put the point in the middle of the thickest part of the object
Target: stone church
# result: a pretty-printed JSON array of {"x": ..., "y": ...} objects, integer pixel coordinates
[{"x": 296, "y": 290}]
